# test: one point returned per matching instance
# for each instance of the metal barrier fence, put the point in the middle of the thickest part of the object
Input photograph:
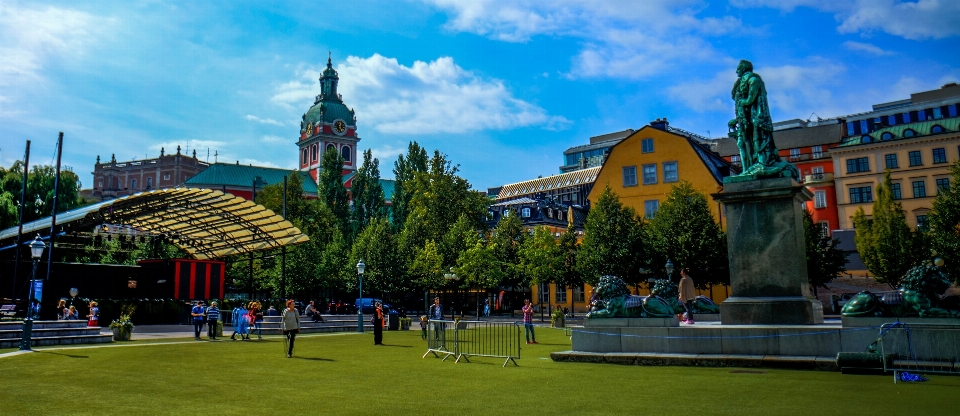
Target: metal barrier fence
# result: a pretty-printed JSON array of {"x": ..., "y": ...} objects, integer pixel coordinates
[
  {"x": 465, "y": 339},
  {"x": 920, "y": 348}
]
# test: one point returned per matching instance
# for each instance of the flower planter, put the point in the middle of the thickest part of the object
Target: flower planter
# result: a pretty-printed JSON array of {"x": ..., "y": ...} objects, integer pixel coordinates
[{"x": 119, "y": 334}]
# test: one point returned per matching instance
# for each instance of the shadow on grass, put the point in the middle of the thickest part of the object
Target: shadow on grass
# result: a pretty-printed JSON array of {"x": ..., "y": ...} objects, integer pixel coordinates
[
  {"x": 396, "y": 346},
  {"x": 314, "y": 359},
  {"x": 65, "y": 355}
]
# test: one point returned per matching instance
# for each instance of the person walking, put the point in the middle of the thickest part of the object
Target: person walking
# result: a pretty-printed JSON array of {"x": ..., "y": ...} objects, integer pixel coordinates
[
  {"x": 256, "y": 311},
  {"x": 213, "y": 319},
  {"x": 486, "y": 307},
  {"x": 528, "y": 322},
  {"x": 238, "y": 321},
  {"x": 197, "y": 313},
  {"x": 290, "y": 325},
  {"x": 93, "y": 316},
  {"x": 436, "y": 314},
  {"x": 688, "y": 294},
  {"x": 378, "y": 324}
]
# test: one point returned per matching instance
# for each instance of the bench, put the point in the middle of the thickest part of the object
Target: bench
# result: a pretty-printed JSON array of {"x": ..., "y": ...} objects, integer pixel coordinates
[{"x": 8, "y": 311}]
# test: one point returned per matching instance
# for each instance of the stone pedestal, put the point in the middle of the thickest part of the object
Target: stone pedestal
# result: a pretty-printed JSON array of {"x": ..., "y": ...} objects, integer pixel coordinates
[{"x": 768, "y": 266}]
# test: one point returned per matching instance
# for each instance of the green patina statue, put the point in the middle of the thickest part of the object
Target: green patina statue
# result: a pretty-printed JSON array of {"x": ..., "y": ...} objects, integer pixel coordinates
[
  {"x": 918, "y": 296},
  {"x": 753, "y": 129},
  {"x": 613, "y": 300},
  {"x": 668, "y": 290}
]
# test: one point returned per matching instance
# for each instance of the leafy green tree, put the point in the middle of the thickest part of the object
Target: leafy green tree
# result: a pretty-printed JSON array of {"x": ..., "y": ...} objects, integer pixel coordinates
[
  {"x": 404, "y": 170},
  {"x": 945, "y": 224},
  {"x": 540, "y": 257},
  {"x": 426, "y": 268},
  {"x": 331, "y": 189},
  {"x": 612, "y": 241},
  {"x": 885, "y": 243},
  {"x": 569, "y": 274},
  {"x": 824, "y": 260},
  {"x": 375, "y": 246},
  {"x": 684, "y": 231},
  {"x": 478, "y": 264},
  {"x": 39, "y": 200},
  {"x": 507, "y": 238},
  {"x": 457, "y": 240},
  {"x": 367, "y": 194}
]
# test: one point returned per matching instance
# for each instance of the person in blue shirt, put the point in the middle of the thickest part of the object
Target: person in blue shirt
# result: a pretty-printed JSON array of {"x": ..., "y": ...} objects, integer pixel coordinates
[
  {"x": 213, "y": 316},
  {"x": 197, "y": 313}
]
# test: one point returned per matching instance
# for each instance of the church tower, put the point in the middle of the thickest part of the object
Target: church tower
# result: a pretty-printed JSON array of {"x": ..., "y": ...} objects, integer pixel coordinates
[{"x": 328, "y": 126}]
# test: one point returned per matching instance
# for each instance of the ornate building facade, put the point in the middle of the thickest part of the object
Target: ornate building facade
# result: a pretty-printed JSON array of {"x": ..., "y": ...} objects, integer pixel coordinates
[
  {"x": 328, "y": 126},
  {"x": 116, "y": 179}
]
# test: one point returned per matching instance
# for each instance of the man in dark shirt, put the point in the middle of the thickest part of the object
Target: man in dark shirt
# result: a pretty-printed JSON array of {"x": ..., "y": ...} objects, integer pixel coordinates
[{"x": 197, "y": 314}]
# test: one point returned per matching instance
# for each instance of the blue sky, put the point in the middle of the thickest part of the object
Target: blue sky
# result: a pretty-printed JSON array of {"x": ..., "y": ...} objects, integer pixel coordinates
[{"x": 501, "y": 87}]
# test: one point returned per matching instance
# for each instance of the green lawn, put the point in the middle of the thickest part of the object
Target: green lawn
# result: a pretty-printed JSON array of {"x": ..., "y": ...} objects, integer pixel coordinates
[{"x": 347, "y": 374}]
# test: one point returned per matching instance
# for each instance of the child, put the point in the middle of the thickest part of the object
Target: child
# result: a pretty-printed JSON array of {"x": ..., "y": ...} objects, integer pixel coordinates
[{"x": 423, "y": 327}]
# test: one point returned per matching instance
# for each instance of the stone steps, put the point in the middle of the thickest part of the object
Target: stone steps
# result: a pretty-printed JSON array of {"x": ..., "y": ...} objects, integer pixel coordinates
[{"x": 52, "y": 333}]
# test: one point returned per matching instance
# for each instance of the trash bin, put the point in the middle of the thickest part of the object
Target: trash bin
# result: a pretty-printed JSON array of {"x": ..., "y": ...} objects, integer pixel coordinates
[{"x": 393, "y": 320}]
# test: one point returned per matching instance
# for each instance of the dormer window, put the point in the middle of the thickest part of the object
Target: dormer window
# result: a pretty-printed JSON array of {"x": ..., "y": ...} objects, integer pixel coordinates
[
  {"x": 886, "y": 136},
  {"x": 909, "y": 133},
  {"x": 525, "y": 212},
  {"x": 936, "y": 129}
]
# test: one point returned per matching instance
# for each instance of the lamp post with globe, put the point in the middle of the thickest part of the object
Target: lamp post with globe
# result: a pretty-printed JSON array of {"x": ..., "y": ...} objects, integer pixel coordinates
[
  {"x": 36, "y": 251},
  {"x": 360, "y": 267}
]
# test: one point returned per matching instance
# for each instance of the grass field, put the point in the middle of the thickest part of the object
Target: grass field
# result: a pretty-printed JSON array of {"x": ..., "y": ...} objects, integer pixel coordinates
[{"x": 347, "y": 374}]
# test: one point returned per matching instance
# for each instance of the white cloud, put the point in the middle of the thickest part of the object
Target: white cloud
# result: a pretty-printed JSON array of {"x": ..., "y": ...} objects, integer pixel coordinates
[
  {"x": 424, "y": 98},
  {"x": 622, "y": 39},
  {"x": 263, "y": 120},
  {"x": 706, "y": 95},
  {"x": 276, "y": 139},
  {"x": 31, "y": 37},
  {"x": 866, "y": 47},
  {"x": 916, "y": 20}
]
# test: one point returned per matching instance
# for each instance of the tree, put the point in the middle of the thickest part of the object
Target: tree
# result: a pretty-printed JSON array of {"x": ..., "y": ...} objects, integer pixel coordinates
[
  {"x": 612, "y": 241},
  {"x": 367, "y": 194},
  {"x": 540, "y": 257},
  {"x": 479, "y": 266},
  {"x": 404, "y": 171},
  {"x": 685, "y": 232},
  {"x": 331, "y": 189},
  {"x": 568, "y": 274},
  {"x": 885, "y": 243},
  {"x": 824, "y": 260},
  {"x": 375, "y": 246},
  {"x": 39, "y": 198},
  {"x": 945, "y": 224},
  {"x": 507, "y": 238},
  {"x": 426, "y": 268}
]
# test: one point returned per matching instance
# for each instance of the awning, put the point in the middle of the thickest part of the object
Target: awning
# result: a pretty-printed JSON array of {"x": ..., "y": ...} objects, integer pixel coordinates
[{"x": 205, "y": 223}]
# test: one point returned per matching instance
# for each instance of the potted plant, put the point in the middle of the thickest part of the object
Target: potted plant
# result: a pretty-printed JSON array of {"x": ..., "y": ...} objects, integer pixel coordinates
[
  {"x": 122, "y": 327},
  {"x": 405, "y": 324},
  {"x": 557, "y": 319}
]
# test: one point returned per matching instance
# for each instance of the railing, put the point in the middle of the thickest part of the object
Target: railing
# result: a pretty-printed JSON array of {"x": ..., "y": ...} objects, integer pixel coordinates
[
  {"x": 920, "y": 348},
  {"x": 465, "y": 339}
]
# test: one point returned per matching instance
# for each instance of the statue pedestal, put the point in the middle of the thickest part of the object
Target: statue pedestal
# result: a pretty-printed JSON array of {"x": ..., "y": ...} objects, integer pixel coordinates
[{"x": 768, "y": 265}]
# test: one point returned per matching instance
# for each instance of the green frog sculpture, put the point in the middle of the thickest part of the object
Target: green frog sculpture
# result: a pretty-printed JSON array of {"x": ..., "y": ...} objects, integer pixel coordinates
[
  {"x": 613, "y": 300},
  {"x": 668, "y": 290},
  {"x": 918, "y": 296}
]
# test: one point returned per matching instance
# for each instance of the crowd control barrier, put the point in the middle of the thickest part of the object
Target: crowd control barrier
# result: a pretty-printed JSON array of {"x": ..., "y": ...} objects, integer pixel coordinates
[
  {"x": 465, "y": 339},
  {"x": 920, "y": 348}
]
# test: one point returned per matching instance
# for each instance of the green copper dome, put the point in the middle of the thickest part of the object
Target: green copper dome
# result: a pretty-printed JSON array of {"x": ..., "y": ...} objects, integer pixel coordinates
[{"x": 328, "y": 106}]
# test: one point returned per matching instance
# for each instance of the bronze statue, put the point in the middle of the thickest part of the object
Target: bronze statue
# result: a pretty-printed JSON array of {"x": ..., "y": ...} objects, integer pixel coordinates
[{"x": 753, "y": 128}]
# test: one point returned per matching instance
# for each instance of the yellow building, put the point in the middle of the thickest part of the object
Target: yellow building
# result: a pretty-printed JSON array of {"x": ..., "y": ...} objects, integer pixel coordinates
[
  {"x": 643, "y": 167},
  {"x": 918, "y": 155}
]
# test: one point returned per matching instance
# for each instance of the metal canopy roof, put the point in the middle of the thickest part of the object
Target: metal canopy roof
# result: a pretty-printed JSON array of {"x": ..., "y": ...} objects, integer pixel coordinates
[{"x": 203, "y": 222}]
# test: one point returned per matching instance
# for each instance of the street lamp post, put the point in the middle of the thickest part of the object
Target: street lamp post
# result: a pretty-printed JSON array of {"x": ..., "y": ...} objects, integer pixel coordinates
[
  {"x": 360, "y": 267},
  {"x": 669, "y": 267},
  {"x": 36, "y": 251},
  {"x": 452, "y": 277}
]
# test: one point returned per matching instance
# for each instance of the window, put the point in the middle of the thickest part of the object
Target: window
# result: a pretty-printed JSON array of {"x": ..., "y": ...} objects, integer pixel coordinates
[
  {"x": 952, "y": 110},
  {"x": 906, "y": 118},
  {"x": 891, "y": 120},
  {"x": 166, "y": 176},
  {"x": 936, "y": 129},
  {"x": 650, "y": 208},
  {"x": 819, "y": 199},
  {"x": 939, "y": 155},
  {"x": 891, "y": 160},
  {"x": 629, "y": 176},
  {"x": 578, "y": 294},
  {"x": 909, "y": 133},
  {"x": 862, "y": 194},
  {"x": 919, "y": 189},
  {"x": 860, "y": 164},
  {"x": 649, "y": 174},
  {"x": 795, "y": 153},
  {"x": 895, "y": 190},
  {"x": 670, "y": 172},
  {"x": 149, "y": 183},
  {"x": 133, "y": 184},
  {"x": 818, "y": 170},
  {"x": 817, "y": 152},
  {"x": 943, "y": 184},
  {"x": 921, "y": 223},
  {"x": 543, "y": 293},
  {"x": 345, "y": 152},
  {"x": 100, "y": 184},
  {"x": 330, "y": 147},
  {"x": 866, "y": 139},
  {"x": 824, "y": 228},
  {"x": 316, "y": 150},
  {"x": 525, "y": 212},
  {"x": 921, "y": 115},
  {"x": 937, "y": 113},
  {"x": 303, "y": 160},
  {"x": 886, "y": 136},
  {"x": 646, "y": 145},
  {"x": 735, "y": 159},
  {"x": 915, "y": 158},
  {"x": 561, "y": 296}
]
